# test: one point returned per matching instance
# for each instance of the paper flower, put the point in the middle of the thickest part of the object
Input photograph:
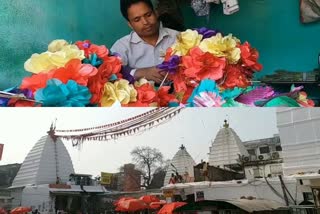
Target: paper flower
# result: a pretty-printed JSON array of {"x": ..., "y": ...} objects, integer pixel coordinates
[
  {"x": 208, "y": 99},
  {"x": 89, "y": 49},
  {"x": 199, "y": 65},
  {"x": 207, "y": 33},
  {"x": 282, "y": 101},
  {"x": 57, "y": 45},
  {"x": 119, "y": 91},
  {"x": 304, "y": 101},
  {"x": 206, "y": 89},
  {"x": 165, "y": 97},
  {"x": 17, "y": 101},
  {"x": 57, "y": 94},
  {"x": 185, "y": 41},
  {"x": 171, "y": 65},
  {"x": 110, "y": 66},
  {"x": 222, "y": 47},
  {"x": 235, "y": 76},
  {"x": 75, "y": 70},
  {"x": 47, "y": 61},
  {"x": 35, "y": 81},
  {"x": 147, "y": 96},
  {"x": 258, "y": 93},
  {"x": 233, "y": 103},
  {"x": 249, "y": 57}
]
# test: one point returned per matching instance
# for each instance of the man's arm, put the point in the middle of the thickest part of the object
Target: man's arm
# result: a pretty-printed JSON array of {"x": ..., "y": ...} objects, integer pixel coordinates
[{"x": 150, "y": 73}]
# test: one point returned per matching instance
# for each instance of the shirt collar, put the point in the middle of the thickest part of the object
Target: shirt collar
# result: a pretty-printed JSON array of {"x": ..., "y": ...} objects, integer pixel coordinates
[{"x": 162, "y": 33}]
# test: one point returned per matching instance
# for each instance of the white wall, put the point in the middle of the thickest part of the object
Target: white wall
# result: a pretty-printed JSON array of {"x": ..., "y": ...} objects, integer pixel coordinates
[
  {"x": 258, "y": 189},
  {"x": 299, "y": 130},
  {"x": 273, "y": 169},
  {"x": 17, "y": 195},
  {"x": 38, "y": 197}
]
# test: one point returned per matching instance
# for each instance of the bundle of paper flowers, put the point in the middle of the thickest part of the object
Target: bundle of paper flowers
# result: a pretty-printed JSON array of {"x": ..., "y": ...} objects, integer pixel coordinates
[
  {"x": 68, "y": 75},
  {"x": 206, "y": 69},
  {"x": 209, "y": 69}
]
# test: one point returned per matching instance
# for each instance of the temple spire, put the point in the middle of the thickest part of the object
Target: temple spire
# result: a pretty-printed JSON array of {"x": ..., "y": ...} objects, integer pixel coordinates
[{"x": 52, "y": 131}]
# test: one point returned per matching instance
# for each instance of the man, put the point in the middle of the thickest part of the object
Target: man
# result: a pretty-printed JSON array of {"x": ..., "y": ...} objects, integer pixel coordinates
[{"x": 144, "y": 48}]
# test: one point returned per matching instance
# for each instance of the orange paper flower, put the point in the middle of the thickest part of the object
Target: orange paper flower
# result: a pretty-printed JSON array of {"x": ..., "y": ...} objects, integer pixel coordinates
[{"x": 75, "y": 70}]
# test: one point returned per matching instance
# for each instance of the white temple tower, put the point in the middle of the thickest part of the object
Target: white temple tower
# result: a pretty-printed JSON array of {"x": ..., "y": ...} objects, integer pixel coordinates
[
  {"x": 47, "y": 160},
  {"x": 226, "y": 148},
  {"x": 183, "y": 163}
]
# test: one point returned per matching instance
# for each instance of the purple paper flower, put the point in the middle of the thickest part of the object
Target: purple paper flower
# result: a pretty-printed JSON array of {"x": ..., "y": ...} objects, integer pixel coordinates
[
  {"x": 207, "y": 33},
  {"x": 25, "y": 92},
  {"x": 257, "y": 94},
  {"x": 125, "y": 71},
  {"x": 170, "y": 66}
]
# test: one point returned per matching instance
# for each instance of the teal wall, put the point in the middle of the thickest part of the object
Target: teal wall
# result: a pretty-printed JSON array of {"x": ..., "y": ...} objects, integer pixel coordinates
[
  {"x": 27, "y": 26},
  {"x": 272, "y": 26}
]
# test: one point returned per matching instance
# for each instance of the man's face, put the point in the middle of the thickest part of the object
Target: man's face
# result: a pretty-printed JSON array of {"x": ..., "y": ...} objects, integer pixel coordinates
[{"x": 143, "y": 20}]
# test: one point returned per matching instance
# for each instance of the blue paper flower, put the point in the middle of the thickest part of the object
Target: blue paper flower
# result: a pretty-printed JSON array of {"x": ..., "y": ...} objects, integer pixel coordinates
[
  {"x": 57, "y": 94},
  {"x": 207, "y": 86},
  {"x": 94, "y": 60}
]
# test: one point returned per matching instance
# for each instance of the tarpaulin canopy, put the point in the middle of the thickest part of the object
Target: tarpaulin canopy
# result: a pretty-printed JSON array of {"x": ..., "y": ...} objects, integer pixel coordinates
[{"x": 244, "y": 204}]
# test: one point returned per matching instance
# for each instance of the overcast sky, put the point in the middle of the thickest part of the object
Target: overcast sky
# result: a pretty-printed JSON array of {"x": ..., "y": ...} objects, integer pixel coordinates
[{"x": 20, "y": 128}]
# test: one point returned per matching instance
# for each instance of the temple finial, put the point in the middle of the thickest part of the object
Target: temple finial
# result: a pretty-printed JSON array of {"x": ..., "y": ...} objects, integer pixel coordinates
[{"x": 226, "y": 124}]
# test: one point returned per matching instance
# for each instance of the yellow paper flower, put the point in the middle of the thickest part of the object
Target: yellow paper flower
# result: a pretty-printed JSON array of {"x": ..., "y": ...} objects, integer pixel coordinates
[
  {"x": 60, "y": 58},
  {"x": 140, "y": 82},
  {"x": 61, "y": 53},
  {"x": 222, "y": 47},
  {"x": 120, "y": 91},
  {"x": 57, "y": 45},
  {"x": 185, "y": 41}
]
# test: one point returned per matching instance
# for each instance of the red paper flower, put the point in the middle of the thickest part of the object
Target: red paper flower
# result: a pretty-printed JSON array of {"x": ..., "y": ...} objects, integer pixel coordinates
[
  {"x": 35, "y": 81},
  {"x": 22, "y": 103},
  {"x": 249, "y": 57},
  {"x": 168, "y": 55},
  {"x": 89, "y": 48},
  {"x": 101, "y": 50},
  {"x": 147, "y": 97},
  {"x": 199, "y": 65},
  {"x": 84, "y": 45},
  {"x": 164, "y": 97},
  {"x": 187, "y": 94},
  {"x": 179, "y": 81},
  {"x": 111, "y": 65},
  {"x": 235, "y": 76}
]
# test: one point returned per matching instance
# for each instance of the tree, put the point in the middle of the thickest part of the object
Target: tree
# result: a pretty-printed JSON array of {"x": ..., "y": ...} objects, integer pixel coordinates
[{"x": 148, "y": 160}]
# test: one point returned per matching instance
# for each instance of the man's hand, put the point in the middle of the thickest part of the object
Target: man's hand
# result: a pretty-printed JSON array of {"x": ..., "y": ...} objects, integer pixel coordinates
[{"x": 151, "y": 74}]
